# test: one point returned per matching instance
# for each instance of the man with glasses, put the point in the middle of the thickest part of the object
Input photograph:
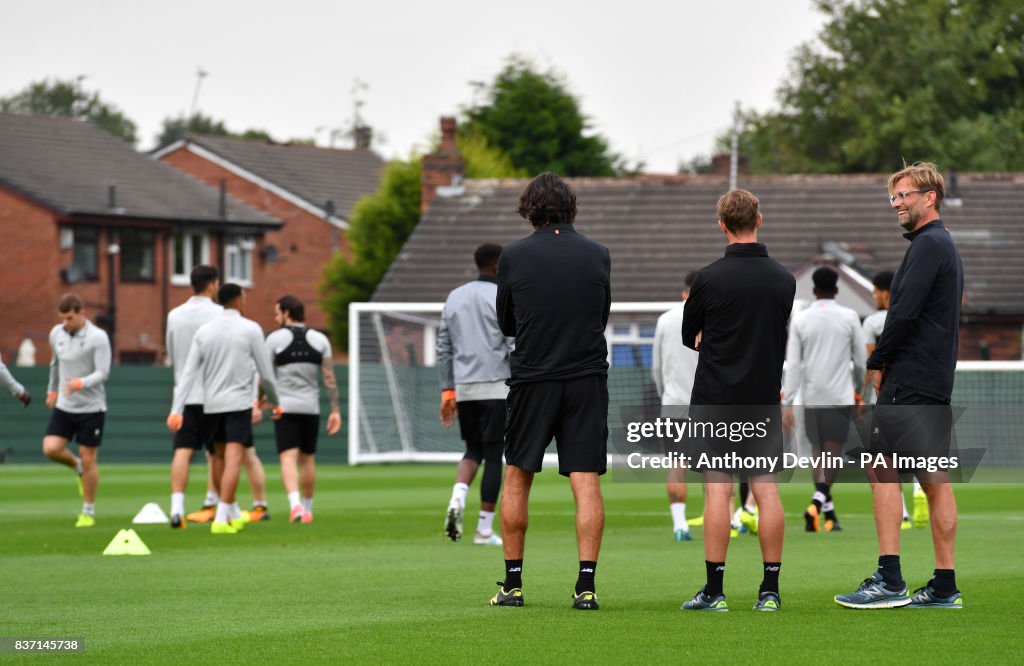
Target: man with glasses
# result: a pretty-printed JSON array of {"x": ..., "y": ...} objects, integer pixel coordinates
[{"x": 912, "y": 369}]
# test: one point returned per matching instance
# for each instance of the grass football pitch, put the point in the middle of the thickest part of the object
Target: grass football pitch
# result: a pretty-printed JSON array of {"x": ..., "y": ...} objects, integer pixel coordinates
[{"x": 372, "y": 580}]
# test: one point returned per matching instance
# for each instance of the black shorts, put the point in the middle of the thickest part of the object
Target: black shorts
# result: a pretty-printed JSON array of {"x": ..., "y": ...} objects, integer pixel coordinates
[
  {"x": 190, "y": 436},
  {"x": 228, "y": 427},
  {"x": 742, "y": 440},
  {"x": 908, "y": 422},
  {"x": 482, "y": 420},
  {"x": 827, "y": 423},
  {"x": 297, "y": 431},
  {"x": 574, "y": 412},
  {"x": 86, "y": 429}
]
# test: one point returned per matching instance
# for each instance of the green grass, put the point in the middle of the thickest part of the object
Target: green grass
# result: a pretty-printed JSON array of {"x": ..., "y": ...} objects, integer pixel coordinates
[{"x": 372, "y": 581}]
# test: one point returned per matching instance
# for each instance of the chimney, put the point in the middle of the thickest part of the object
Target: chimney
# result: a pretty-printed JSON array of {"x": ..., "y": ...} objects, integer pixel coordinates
[
  {"x": 721, "y": 164},
  {"x": 442, "y": 170}
]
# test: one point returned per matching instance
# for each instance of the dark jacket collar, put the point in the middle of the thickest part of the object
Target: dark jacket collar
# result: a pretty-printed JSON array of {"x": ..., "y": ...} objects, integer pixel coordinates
[
  {"x": 746, "y": 250},
  {"x": 555, "y": 228},
  {"x": 934, "y": 224}
]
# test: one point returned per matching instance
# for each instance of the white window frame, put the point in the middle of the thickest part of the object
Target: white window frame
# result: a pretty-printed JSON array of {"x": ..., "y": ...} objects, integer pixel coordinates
[
  {"x": 241, "y": 249},
  {"x": 185, "y": 279}
]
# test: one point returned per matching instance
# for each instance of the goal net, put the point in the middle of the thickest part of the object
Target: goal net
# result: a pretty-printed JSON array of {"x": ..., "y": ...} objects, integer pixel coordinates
[{"x": 394, "y": 393}]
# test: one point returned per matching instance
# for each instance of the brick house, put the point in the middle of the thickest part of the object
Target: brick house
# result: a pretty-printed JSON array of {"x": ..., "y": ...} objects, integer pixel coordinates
[
  {"x": 82, "y": 211},
  {"x": 312, "y": 190},
  {"x": 658, "y": 228}
]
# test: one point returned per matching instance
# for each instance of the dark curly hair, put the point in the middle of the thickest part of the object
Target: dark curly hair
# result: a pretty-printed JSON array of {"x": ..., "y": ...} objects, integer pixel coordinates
[{"x": 548, "y": 200}]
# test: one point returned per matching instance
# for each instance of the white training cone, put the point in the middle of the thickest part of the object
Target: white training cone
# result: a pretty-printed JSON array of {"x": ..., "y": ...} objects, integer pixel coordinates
[
  {"x": 151, "y": 514},
  {"x": 127, "y": 542}
]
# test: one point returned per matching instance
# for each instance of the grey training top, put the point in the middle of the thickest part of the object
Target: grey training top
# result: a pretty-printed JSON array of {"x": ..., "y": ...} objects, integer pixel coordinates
[
  {"x": 8, "y": 382},
  {"x": 298, "y": 384},
  {"x": 471, "y": 348},
  {"x": 222, "y": 356},
  {"x": 872, "y": 327},
  {"x": 823, "y": 340},
  {"x": 674, "y": 365},
  {"x": 86, "y": 356},
  {"x": 182, "y": 324}
]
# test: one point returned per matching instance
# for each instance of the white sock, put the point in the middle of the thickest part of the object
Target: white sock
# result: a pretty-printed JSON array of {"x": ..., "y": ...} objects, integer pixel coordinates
[
  {"x": 211, "y": 498},
  {"x": 89, "y": 508},
  {"x": 234, "y": 511},
  {"x": 223, "y": 513},
  {"x": 293, "y": 499},
  {"x": 736, "y": 518},
  {"x": 903, "y": 500},
  {"x": 917, "y": 486},
  {"x": 678, "y": 510},
  {"x": 78, "y": 466},
  {"x": 307, "y": 504},
  {"x": 819, "y": 496},
  {"x": 828, "y": 506},
  {"x": 178, "y": 504},
  {"x": 459, "y": 491},
  {"x": 263, "y": 504},
  {"x": 485, "y": 525}
]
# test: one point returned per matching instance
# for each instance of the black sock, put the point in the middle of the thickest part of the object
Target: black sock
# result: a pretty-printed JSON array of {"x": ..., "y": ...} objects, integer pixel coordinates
[
  {"x": 585, "y": 582},
  {"x": 889, "y": 567},
  {"x": 944, "y": 582},
  {"x": 513, "y": 575},
  {"x": 770, "y": 581},
  {"x": 716, "y": 572}
]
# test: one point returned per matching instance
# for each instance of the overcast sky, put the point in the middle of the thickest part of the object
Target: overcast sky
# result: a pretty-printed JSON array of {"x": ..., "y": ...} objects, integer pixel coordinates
[{"x": 658, "y": 79}]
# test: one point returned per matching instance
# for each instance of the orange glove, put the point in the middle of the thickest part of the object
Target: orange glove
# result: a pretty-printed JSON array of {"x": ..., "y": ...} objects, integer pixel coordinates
[{"x": 174, "y": 422}]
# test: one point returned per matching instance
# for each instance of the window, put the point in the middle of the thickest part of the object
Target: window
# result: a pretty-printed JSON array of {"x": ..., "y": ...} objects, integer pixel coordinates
[
  {"x": 83, "y": 254},
  {"x": 136, "y": 255},
  {"x": 631, "y": 345},
  {"x": 238, "y": 260},
  {"x": 188, "y": 250}
]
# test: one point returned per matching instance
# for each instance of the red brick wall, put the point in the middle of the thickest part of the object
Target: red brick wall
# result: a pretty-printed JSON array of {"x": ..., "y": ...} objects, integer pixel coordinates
[
  {"x": 1002, "y": 338},
  {"x": 304, "y": 244}
]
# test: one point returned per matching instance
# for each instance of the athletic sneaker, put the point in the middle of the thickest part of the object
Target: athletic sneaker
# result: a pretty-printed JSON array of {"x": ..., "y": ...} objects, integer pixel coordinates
[
  {"x": 749, "y": 520},
  {"x": 176, "y": 522},
  {"x": 245, "y": 517},
  {"x": 258, "y": 513},
  {"x": 239, "y": 523},
  {"x": 220, "y": 527},
  {"x": 832, "y": 525},
  {"x": 812, "y": 519},
  {"x": 491, "y": 539},
  {"x": 585, "y": 601},
  {"x": 682, "y": 535},
  {"x": 733, "y": 533},
  {"x": 295, "y": 515},
  {"x": 696, "y": 522},
  {"x": 513, "y": 597},
  {"x": 873, "y": 593},
  {"x": 699, "y": 602},
  {"x": 920, "y": 509},
  {"x": 85, "y": 520},
  {"x": 203, "y": 515},
  {"x": 925, "y": 597},
  {"x": 453, "y": 521},
  {"x": 906, "y": 524},
  {"x": 768, "y": 601},
  {"x": 307, "y": 517}
]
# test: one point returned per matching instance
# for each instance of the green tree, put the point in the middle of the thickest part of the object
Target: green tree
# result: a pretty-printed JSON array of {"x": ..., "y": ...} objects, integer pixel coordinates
[
  {"x": 890, "y": 80},
  {"x": 68, "y": 98},
  {"x": 176, "y": 128},
  {"x": 531, "y": 116}
]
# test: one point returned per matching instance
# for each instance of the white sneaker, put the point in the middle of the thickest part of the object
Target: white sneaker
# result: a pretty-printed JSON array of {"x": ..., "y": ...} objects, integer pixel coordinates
[
  {"x": 491, "y": 539},
  {"x": 453, "y": 521}
]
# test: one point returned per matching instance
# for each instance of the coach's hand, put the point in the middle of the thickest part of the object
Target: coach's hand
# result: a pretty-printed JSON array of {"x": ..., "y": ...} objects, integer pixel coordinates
[
  {"x": 51, "y": 399},
  {"x": 25, "y": 397},
  {"x": 788, "y": 421},
  {"x": 334, "y": 423},
  {"x": 174, "y": 422},
  {"x": 696, "y": 340},
  {"x": 877, "y": 377},
  {"x": 449, "y": 410},
  {"x": 257, "y": 411}
]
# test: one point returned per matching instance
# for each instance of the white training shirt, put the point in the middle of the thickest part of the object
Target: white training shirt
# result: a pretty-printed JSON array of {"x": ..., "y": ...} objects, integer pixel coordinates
[
  {"x": 823, "y": 341},
  {"x": 298, "y": 384},
  {"x": 674, "y": 365},
  {"x": 182, "y": 324},
  {"x": 872, "y": 327},
  {"x": 86, "y": 356},
  {"x": 8, "y": 382},
  {"x": 221, "y": 358}
]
